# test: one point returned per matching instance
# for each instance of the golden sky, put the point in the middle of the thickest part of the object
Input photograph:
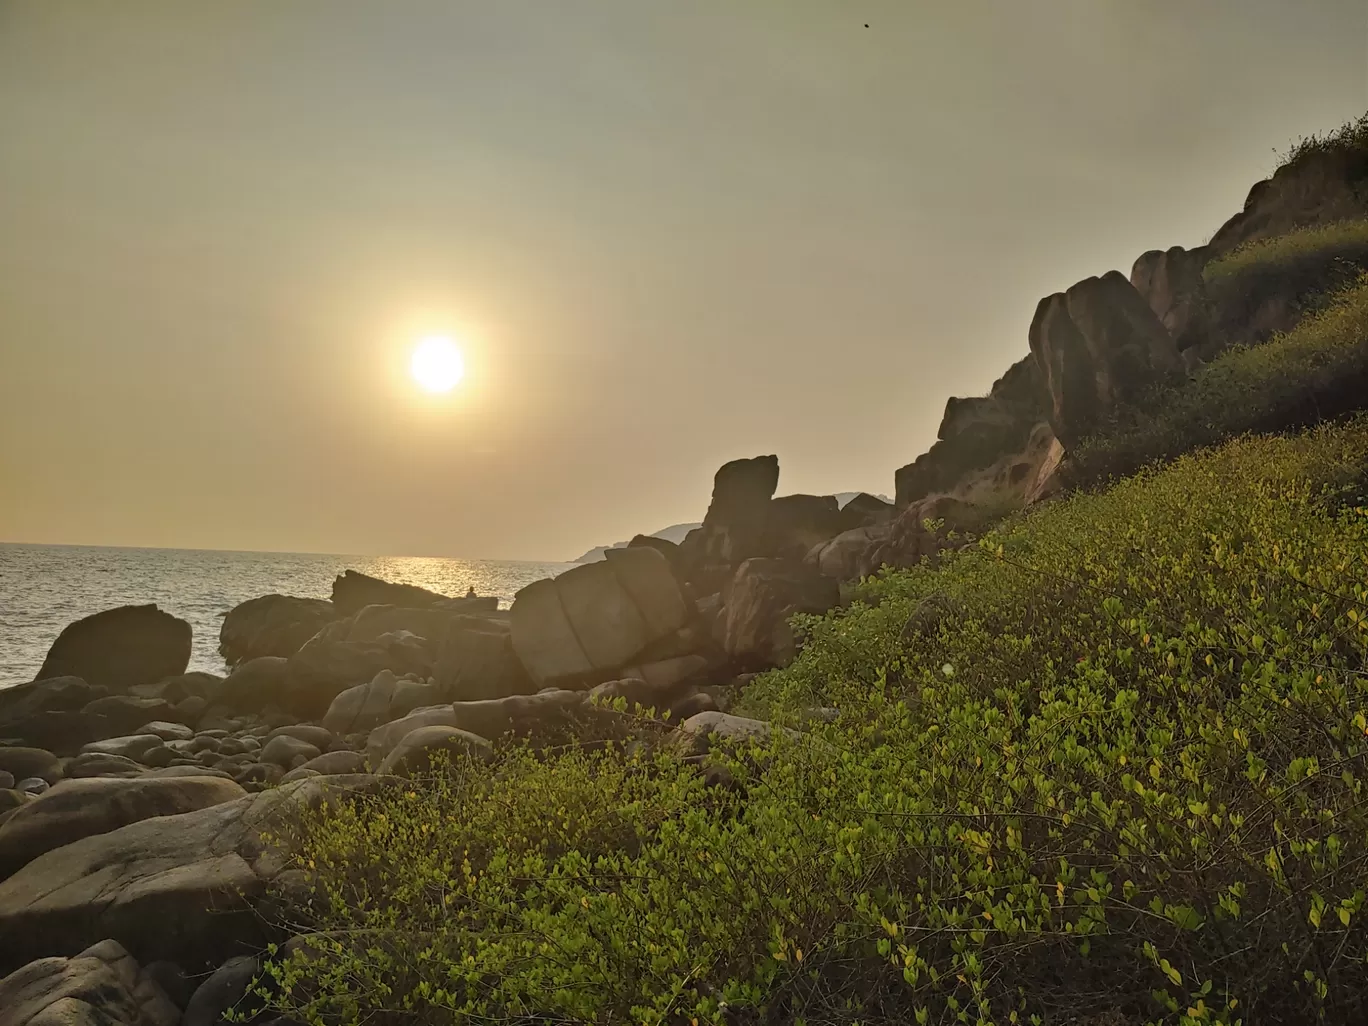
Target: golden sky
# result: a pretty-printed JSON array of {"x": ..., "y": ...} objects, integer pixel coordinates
[{"x": 664, "y": 234}]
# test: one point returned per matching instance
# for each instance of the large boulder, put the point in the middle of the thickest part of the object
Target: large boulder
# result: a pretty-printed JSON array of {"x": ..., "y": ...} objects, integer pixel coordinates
[
  {"x": 1098, "y": 346},
  {"x": 546, "y": 712},
  {"x": 96, "y": 805},
  {"x": 1172, "y": 283},
  {"x": 182, "y": 888},
  {"x": 22, "y": 762},
  {"x": 795, "y": 523},
  {"x": 576, "y": 629},
  {"x": 734, "y": 527},
  {"x": 758, "y": 602},
  {"x": 845, "y": 557},
  {"x": 417, "y": 749},
  {"x": 115, "y": 715},
  {"x": 977, "y": 434},
  {"x": 254, "y": 684},
  {"x": 271, "y": 625},
  {"x": 46, "y": 713},
  {"x": 101, "y": 986},
  {"x": 476, "y": 659},
  {"x": 353, "y": 591},
  {"x": 328, "y": 664},
  {"x": 119, "y": 648},
  {"x": 383, "y": 699}
]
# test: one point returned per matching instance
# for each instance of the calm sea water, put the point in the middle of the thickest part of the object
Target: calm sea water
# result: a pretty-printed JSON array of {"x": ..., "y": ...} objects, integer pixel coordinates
[{"x": 44, "y": 587}]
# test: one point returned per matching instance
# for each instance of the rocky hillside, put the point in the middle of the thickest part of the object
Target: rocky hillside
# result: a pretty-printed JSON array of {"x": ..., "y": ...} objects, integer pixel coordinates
[{"x": 1061, "y": 766}]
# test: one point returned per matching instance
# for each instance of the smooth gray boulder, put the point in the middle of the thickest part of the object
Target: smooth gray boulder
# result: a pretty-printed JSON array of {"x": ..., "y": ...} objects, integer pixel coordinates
[
  {"x": 130, "y": 746},
  {"x": 181, "y": 888},
  {"x": 223, "y": 990},
  {"x": 80, "y": 808},
  {"x": 286, "y": 751},
  {"x": 30, "y": 762},
  {"x": 415, "y": 751},
  {"x": 101, "y": 986}
]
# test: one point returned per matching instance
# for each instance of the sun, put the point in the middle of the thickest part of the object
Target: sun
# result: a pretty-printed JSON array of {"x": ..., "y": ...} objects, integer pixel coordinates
[{"x": 437, "y": 365}]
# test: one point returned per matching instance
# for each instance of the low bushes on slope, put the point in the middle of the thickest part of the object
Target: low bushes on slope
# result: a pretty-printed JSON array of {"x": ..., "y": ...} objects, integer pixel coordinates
[
  {"x": 1108, "y": 766},
  {"x": 1316, "y": 371}
]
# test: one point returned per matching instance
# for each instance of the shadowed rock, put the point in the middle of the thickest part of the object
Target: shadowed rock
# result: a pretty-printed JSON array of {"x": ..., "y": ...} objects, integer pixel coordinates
[
  {"x": 758, "y": 602},
  {"x": 581, "y": 626},
  {"x": 119, "y": 648},
  {"x": 96, "y": 805},
  {"x": 272, "y": 625},
  {"x": 1098, "y": 345},
  {"x": 101, "y": 986}
]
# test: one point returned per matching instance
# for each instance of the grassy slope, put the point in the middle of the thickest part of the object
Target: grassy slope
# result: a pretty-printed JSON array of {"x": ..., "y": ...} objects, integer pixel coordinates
[
  {"x": 1111, "y": 759},
  {"x": 1318, "y": 370},
  {"x": 1106, "y": 766}
]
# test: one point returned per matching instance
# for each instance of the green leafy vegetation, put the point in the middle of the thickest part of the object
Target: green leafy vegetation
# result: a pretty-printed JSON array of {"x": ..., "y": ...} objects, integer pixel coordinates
[
  {"x": 1108, "y": 766},
  {"x": 1349, "y": 141},
  {"x": 1317, "y": 370},
  {"x": 1308, "y": 253}
]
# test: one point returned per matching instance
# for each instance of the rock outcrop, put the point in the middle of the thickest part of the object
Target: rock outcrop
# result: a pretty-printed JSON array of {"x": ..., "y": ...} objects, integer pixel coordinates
[
  {"x": 272, "y": 625},
  {"x": 1172, "y": 283},
  {"x": 1097, "y": 346},
  {"x": 758, "y": 602},
  {"x": 1322, "y": 185},
  {"x": 579, "y": 628},
  {"x": 119, "y": 648}
]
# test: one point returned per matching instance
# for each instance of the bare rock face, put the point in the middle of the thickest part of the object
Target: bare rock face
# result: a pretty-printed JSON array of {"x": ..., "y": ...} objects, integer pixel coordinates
[
  {"x": 1097, "y": 346},
  {"x": 329, "y": 663},
  {"x": 977, "y": 433},
  {"x": 735, "y": 524},
  {"x": 1172, "y": 284},
  {"x": 576, "y": 629},
  {"x": 101, "y": 986},
  {"x": 760, "y": 598},
  {"x": 96, "y": 805},
  {"x": 120, "y": 648},
  {"x": 1322, "y": 186},
  {"x": 922, "y": 530},
  {"x": 181, "y": 888},
  {"x": 795, "y": 523},
  {"x": 272, "y": 625},
  {"x": 476, "y": 659}
]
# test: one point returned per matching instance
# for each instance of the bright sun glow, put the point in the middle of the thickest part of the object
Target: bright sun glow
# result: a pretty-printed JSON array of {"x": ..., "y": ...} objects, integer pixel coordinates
[{"x": 437, "y": 365}]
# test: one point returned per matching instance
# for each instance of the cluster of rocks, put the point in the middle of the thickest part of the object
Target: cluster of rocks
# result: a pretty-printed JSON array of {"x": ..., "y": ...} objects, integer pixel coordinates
[{"x": 137, "y": 800}]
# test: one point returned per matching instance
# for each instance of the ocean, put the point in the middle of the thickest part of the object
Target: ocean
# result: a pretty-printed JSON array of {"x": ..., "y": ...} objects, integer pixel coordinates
[{"x": 45, "y": 587}]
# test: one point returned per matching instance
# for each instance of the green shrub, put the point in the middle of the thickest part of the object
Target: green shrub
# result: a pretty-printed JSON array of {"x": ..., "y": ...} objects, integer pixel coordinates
[
  {"x": 1287, "y": 254},
  {"x": 1316, "y": 371},
  {"x": 1350, "y": 140},
  {"x": 1109, "y": 762}
]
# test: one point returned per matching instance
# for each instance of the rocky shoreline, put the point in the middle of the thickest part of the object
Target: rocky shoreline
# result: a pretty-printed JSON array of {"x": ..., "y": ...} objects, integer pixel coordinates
[{"x": 138, "y": 802}]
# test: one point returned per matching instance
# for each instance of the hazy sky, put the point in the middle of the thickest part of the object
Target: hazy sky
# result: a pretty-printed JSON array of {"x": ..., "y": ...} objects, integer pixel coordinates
[{"x": 671, "y": 233}]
